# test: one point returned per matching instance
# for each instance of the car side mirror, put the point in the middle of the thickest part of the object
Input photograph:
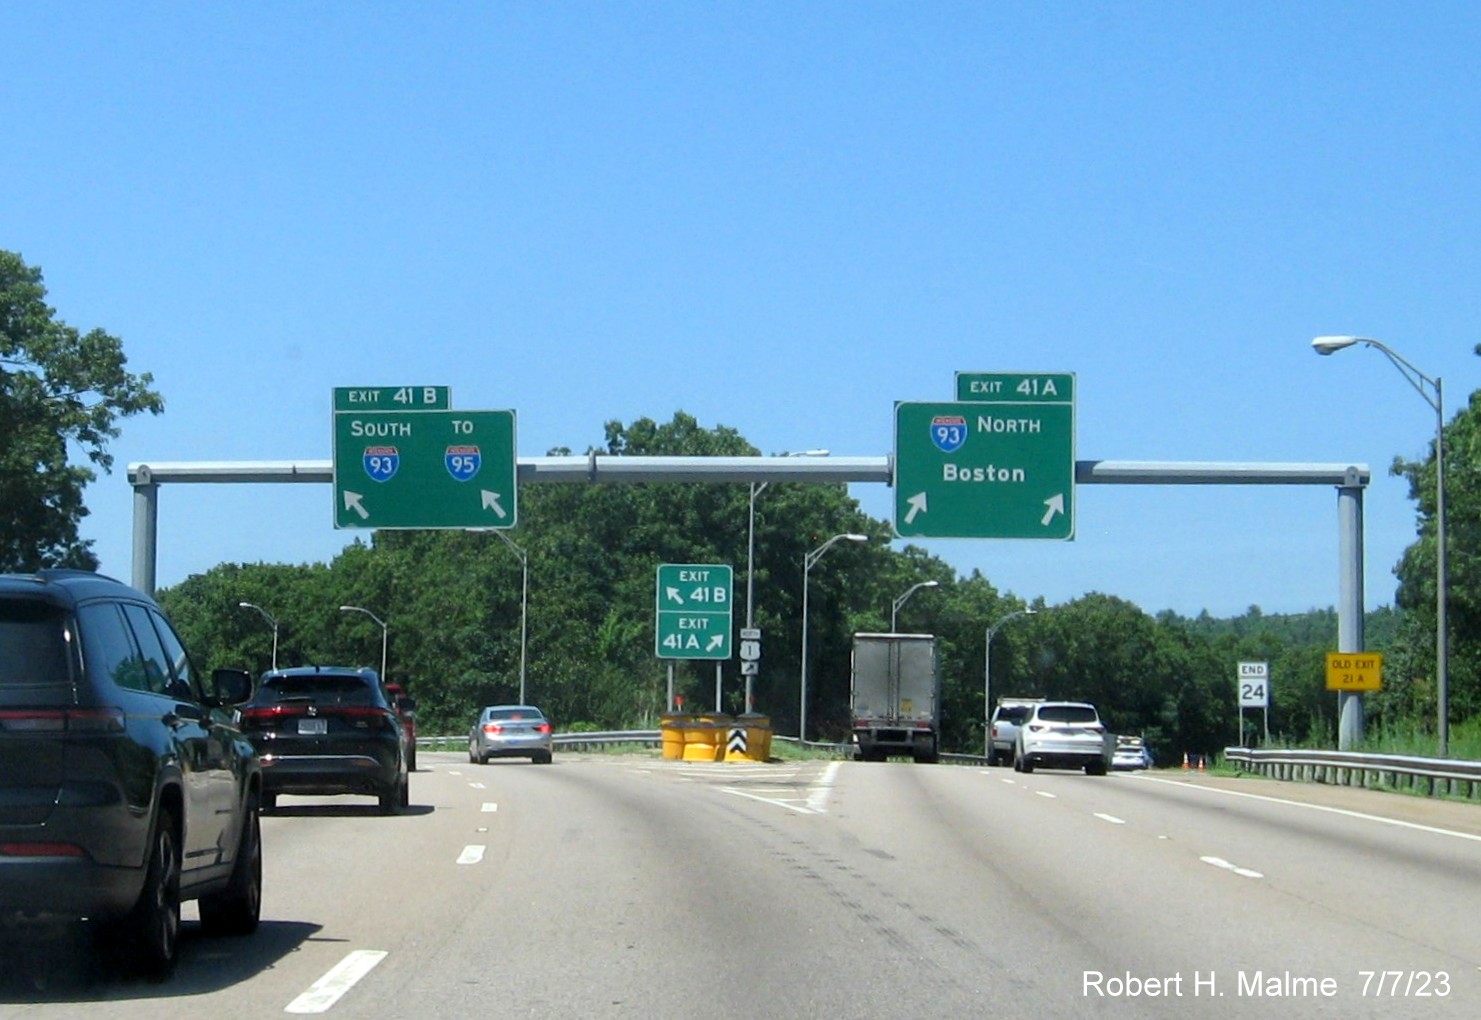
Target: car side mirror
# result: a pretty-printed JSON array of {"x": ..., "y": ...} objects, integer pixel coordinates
[{"x": 231, "y": 686}]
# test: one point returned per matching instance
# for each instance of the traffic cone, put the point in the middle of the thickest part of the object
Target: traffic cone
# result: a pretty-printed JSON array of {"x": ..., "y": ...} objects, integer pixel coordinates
[
  {"x": 1185, "y": 760},
  {"x": 1201, "y": 766}
]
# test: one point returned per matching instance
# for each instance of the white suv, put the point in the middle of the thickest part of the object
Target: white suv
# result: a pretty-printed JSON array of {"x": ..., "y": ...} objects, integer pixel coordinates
[{"x": 1063, "y": 735}]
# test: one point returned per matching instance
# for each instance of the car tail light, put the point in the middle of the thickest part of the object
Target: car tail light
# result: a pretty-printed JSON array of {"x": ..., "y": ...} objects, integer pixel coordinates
[
  {"x": 41, "y": 850},
  {"x": 543, "y": 728},
  {"x": 63, "y": 720},
  {"x": 270, "y": 712},
  {"x": 1096, "y": 728},
  {"x": 492, "y": 727}
]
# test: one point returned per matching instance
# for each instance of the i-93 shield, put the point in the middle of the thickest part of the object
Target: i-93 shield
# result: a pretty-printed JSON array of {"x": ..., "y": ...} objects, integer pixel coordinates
[
  {"x": 381, "y": 462},
  {"x": 948, "y": 432}
]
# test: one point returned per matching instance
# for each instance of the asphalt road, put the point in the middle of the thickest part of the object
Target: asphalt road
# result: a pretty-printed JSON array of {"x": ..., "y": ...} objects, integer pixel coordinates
[{"x": 626, "y": 886}]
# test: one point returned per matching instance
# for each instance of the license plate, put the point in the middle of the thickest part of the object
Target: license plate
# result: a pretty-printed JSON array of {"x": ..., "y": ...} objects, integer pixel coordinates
[{"x": 313, "y": 727}]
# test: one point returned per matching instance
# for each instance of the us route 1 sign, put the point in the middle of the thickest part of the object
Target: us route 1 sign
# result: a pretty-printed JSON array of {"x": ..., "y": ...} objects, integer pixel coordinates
[
  {"x": 1001, "y": 465},
  {"x": 424, "y": 469},
  {"x": 693, "y": 611}
]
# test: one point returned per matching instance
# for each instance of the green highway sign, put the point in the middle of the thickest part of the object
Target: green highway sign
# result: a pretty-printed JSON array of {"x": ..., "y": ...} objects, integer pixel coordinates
[
  {"x": 986, "y": 468},
  {"x": 392, "y": 398},
  {"x": 692, "y": 606},
  {"x": 1017, "y": 387},
  {"x": 424, "y": 469}
]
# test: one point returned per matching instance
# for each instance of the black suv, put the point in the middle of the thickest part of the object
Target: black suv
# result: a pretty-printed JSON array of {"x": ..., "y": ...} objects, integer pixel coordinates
[
  {"x": 125, "y": 787},
  {"x": 327, "y": 730}
]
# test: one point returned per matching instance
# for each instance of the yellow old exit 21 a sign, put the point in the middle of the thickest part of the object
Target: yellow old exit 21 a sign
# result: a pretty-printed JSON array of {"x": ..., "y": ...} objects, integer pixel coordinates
[{"x": 1354, "y": 671}]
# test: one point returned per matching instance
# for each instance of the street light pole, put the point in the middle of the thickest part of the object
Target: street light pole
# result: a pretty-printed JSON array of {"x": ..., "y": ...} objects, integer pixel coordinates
[
  {"x": 987, "y": 679},
  {"x": 1417, "y": 379},
  {"x": 384, "y": 629},
  {"x": 807, "y": 565},
  {"x": 895, "y": 608},
  {"x": 756, "y": 489},
  {"x": 271, "y": 623},
  {"x": 524, "y": 603}
]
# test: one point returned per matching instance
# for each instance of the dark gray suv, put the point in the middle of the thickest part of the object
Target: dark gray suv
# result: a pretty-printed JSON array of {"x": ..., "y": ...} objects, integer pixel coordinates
[
  {"x": 125, "y": 786},
  {"x": 328, "y": 730}
]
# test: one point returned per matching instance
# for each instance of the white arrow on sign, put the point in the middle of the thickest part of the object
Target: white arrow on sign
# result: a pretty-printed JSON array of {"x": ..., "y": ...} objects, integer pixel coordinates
[
  {"x": 917, "y": 506},
  {"x": 352, "y": 502},
  {"x": 491, "y": 502},
  {"x": 716, "y": 640},
  {"x": 1055, "y": 504},
  {"x": 674, "y": 596}
]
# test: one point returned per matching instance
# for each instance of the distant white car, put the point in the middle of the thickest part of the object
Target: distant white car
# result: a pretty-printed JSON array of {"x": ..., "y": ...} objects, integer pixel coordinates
[
  {"x": 1131, "y": 753},
  {"x": 1063, "y": 735}
]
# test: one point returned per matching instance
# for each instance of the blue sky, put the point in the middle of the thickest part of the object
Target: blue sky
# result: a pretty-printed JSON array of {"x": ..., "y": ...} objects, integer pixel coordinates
[{"x": 777, "y": 217}]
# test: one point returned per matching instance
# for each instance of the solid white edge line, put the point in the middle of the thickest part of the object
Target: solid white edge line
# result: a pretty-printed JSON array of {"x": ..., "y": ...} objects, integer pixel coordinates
[
  {"x": 1318, "y": 807},
  {"x": 817, "y": 797},
  {"x": 326, "y": 991}
]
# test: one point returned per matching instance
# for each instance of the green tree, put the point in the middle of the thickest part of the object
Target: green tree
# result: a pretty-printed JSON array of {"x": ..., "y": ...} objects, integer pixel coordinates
[
  {"x": 59, "y": 388},
  {"x": 1409, "y": 674}
]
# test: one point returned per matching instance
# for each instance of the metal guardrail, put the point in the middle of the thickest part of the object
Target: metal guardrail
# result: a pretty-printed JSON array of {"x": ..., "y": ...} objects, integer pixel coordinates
[
  {"x": 654, "y": 738},
  {"x": 584, "y": 741},
  {"x": 573, "y": 741},
  {"x": 1436, "y": 776}
]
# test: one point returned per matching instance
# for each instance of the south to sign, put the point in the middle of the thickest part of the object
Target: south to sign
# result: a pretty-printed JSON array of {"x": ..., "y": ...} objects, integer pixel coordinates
[{"x": 425, "y": 469}]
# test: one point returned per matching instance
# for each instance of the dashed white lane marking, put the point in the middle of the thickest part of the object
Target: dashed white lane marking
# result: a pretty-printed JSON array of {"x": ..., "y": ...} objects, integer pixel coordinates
[
  {"x": 1110, "y": 818},
  {"x": 1219, "y": 862},
  {"x": 1046, "y": 793},
  {"x": 490, "y": 808},
  {"x": 472, "y": 854},
  {"x": 326, "y": 991},
  {"x": 478, "y": 786}
]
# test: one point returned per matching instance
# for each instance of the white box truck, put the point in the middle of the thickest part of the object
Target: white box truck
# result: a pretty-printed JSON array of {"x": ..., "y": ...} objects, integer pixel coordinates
[{"x": 896, "y": 697}]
